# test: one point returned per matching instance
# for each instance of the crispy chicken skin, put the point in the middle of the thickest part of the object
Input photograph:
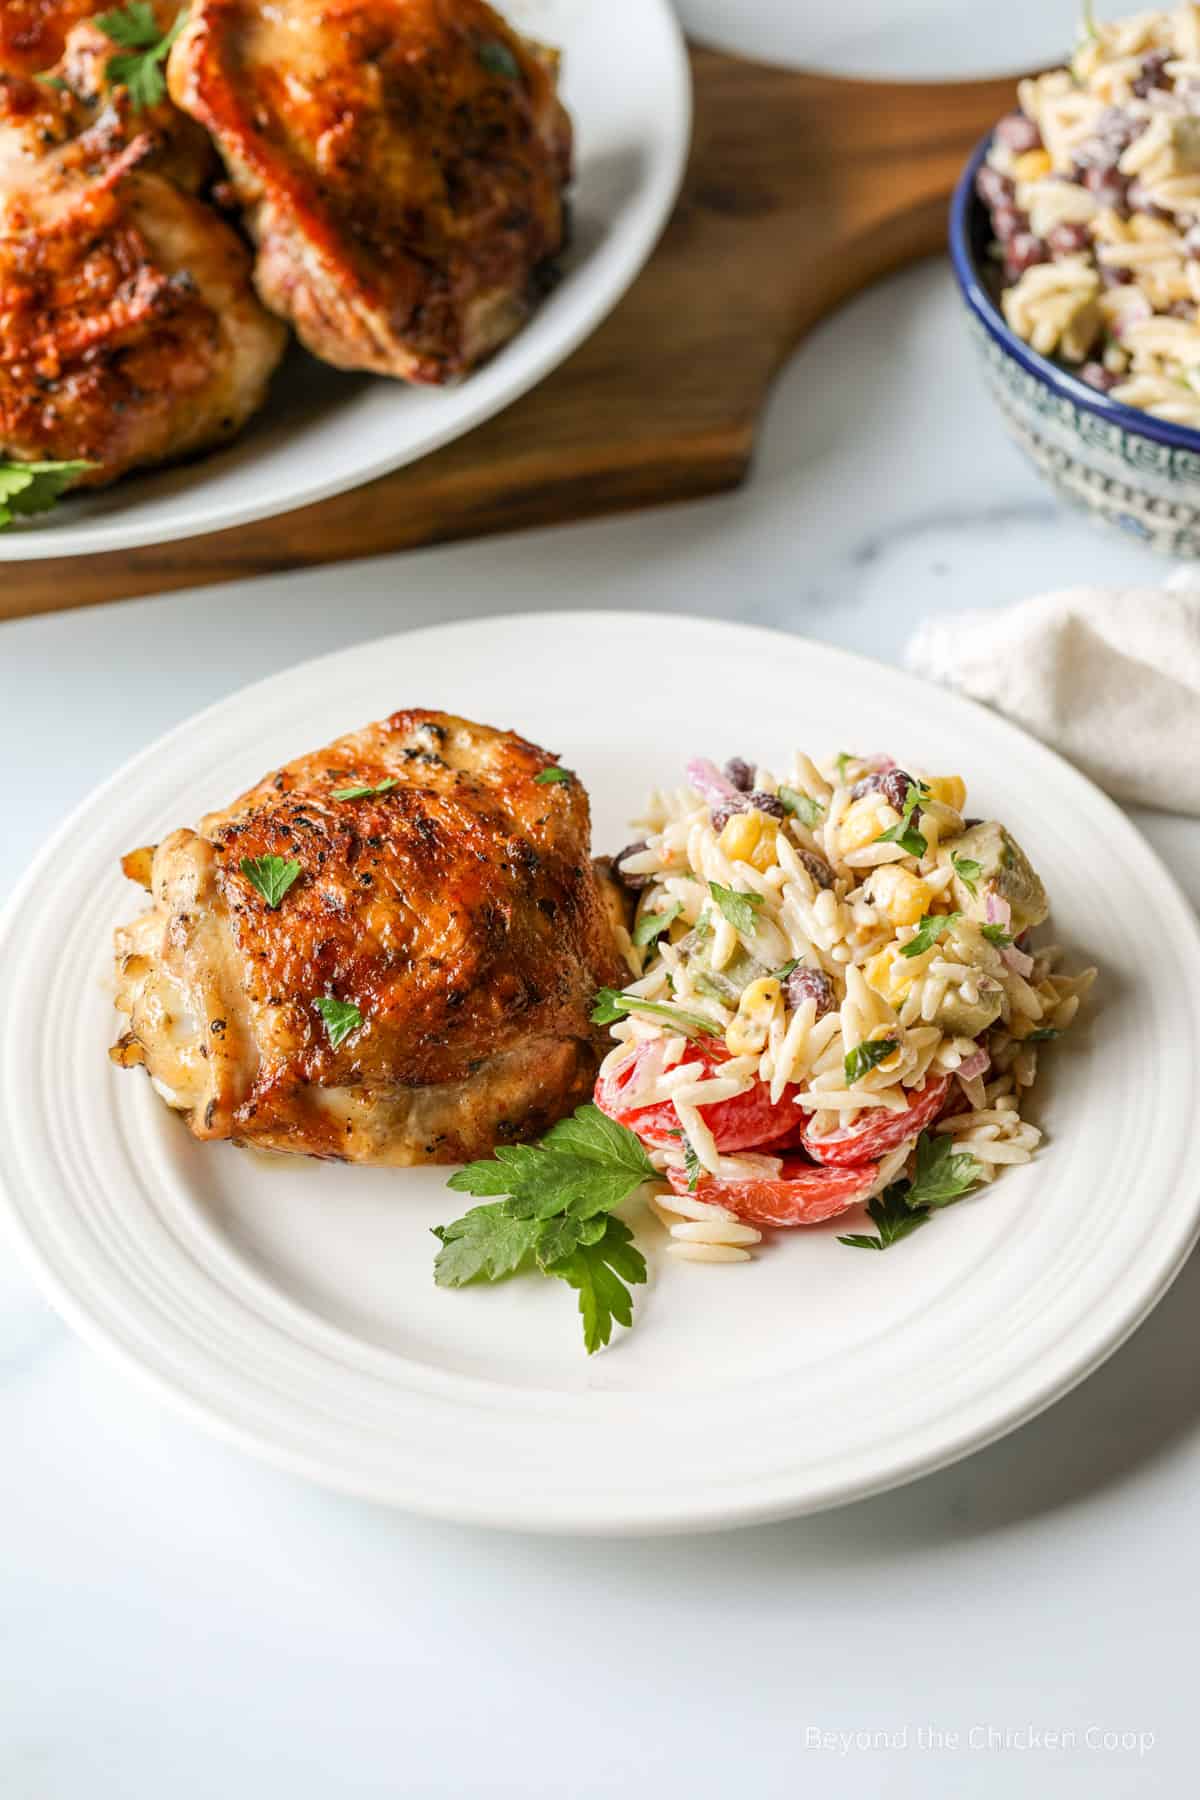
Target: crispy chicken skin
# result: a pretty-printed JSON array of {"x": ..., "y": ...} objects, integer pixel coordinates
[
  {"x": 33, "y": 32},
  {"x": 401, "y": 164},
  {"x": 129, "y": 330},
  {"x": 457, "y": 910}
]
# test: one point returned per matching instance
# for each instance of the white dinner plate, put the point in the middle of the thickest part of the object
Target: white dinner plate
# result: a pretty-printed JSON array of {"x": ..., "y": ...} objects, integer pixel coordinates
[
  {"x": 626, "y": 83},
  {"x": 290, "y": 1304}
]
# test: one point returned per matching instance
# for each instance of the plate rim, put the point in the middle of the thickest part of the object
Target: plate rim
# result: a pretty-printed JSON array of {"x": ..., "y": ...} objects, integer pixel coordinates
[
  {"x": 656, "y": 201},
  {"x": 714, "y": 1510}
]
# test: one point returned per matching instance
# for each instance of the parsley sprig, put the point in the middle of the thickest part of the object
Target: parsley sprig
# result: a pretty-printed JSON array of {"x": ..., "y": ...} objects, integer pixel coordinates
[
  {"x": 611, "y": 1005},
  {"x": 341, "y": 1017},
  {"x": 996, "y": 934},
  {"x": 140, "y": 69},
  {"x": 865, "y": 1057},
  {"x": 738, "y": 907},
  {"x": 34, "y": 487},
  {"x": 929, "y": 930},
  {"x": 556, "y": 1213},
  {"x": 810, "y": 812},
  {"x": 942, "y": 1175},
  {"x": 651, "y": 925},
  {"x": 271, "y": 875},
  {"x": 552, "y": 776},
  {"x": 360, "y": 790},
  {"x": 968, "y": 872},
  {"x": 905, "y": 833}
]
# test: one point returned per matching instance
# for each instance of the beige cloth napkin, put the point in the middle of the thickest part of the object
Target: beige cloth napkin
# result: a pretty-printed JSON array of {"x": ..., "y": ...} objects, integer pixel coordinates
[{"x": 1108, "y": 676}]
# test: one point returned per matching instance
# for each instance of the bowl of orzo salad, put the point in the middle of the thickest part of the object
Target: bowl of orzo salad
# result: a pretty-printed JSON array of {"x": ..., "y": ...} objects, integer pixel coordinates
[
  {"x": 836, "y": 1000},
  {"x": 1075, "y": 235}
]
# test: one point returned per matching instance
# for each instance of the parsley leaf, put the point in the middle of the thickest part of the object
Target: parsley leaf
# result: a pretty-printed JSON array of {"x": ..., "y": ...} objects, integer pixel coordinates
[
  {"x": 1042, "y": 1035},
  {"x": 360, "y": 791},
  {"x": 556, "y": 1210},
  {"x": 905, "y": 833},
  {"x": 52, "y": 81},
  {"x": 865, "y": 1057},
  {"x": 739, "y": 908},
  {"x": 785, "y": 969},
  {"x": 996, "y": 934},
  {"x": 703, "y": 927},
  {"x": 135, "y": 28},
  {"x": 942, "y": 1174},
  {"x": 34, "y": 487},
  {"x": 341, "y": 1018},
  {"x": 552, "y": 776},
  {"x": 611, "y": 1005},
  {"x": 652, "y": 924},
  {"x": 928, "y": 932},
  {"x": 498, "y": 59},
  {"x": 271, "y": 875},
  {"x": 893, "y": 1218},
  {"x": 810, "y": 812},
  {"x": 968, "y": 872},
  {"x": 843, "y": 757},
  {"x": 691, "y": 1162}
]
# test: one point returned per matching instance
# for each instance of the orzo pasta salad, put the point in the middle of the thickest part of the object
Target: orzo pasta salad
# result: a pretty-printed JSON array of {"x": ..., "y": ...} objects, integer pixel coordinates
[
  {"x": 833, "y": 999},
  {"x": 1093, "y": 190}
]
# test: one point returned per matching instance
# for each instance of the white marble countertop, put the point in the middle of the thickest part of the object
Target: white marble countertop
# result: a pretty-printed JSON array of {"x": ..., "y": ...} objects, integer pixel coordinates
[{"x": 179, "y": 1621}]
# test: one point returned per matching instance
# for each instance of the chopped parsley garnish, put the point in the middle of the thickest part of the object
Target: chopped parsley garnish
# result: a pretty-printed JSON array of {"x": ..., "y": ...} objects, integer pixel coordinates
[
  {"x": 1043, "y": 1035},
  {"x": 341, "y": 1018},
  {"x": 968, "y": 872},
  {"x": 703, "y": 927},
  {"x": 271, "y": 875},
  {"x": 905, "y": 833},
  {"x": 865, "y": 1057},
  {"x": 610, "y": 1005},
  {"x": 693, "y": 1167},
  {"x": 552, "y": 776},
  {"x": 140, "y": 70},
  {"x": 34, "y": 487},
  {"x": 810, "y": 812},
  {"x": 843, "y": 757},
  {"x": 364, "y": 788},
  {"x": 498, "y": 59},
  {"x": 996, "y": 934},
  {"x": 785, "y": 969},
  {"x": 942, "y": 1175},
  {"x": 652, "y": 924},
  {"x": 928, "y": 932},
  {"x": 555, "y": 1213},
  {"x": 739, "y": 908},
  {"x": 52, "y": 81}
]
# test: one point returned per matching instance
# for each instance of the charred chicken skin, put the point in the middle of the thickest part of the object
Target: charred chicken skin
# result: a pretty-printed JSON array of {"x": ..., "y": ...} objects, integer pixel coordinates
[
  {"x": 401, "y": 164},
  {"x": 129, "y": 330},
  {"x": 420, "y": 990},
  {"x": 33, "y": 32}
]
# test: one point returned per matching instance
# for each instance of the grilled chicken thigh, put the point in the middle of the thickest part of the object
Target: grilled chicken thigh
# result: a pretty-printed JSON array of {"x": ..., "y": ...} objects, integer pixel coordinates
[
  {"x": 129, "y": 331},
  {"x": 401, "y": 164},
  {"x": 33, "y": 32},
  {"x": 418, "y": 993}
]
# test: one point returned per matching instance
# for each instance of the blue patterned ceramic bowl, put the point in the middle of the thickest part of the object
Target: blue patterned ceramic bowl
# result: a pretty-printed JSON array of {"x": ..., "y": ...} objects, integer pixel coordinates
[{"x": 1123, "y": 466}]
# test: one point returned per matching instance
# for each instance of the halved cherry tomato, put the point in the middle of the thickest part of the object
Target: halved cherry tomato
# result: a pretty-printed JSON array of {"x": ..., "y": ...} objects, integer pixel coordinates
[
  {"x": 746, "y": 1122},
  {"x": 801, "y": 1194},
  {"x": 875, "y": 1135}
]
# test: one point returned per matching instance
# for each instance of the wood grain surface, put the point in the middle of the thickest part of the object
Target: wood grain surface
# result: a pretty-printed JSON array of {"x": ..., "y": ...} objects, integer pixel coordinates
[{"x": 800, "y": 190}]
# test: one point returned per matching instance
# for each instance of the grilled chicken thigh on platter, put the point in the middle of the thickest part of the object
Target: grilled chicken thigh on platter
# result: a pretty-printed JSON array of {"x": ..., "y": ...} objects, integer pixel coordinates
[
  {"x": 401, "y": 164},
  {"x": 385, "y": 952}
]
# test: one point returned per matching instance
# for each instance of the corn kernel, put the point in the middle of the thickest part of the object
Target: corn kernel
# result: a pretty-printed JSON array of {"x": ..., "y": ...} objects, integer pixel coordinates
[
  {"x": 764, "y": 855},
  {"x": 1032, "y": 165},
  {"x": 951, "y": 790},
  {"x": 740, "y": 833},
  {"x": 747, "y": 1033},
  {"x": 860, "y": 824},
  {"x": 903, "y": 897},
  {"x": 890, "y": 979}
]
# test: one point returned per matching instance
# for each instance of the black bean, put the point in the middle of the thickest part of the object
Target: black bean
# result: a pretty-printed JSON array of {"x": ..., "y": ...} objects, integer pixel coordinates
[
  {"x": 1153, "y": 73},
  {"x": 993, "y": 188},
  {"x": 1097, "y": 376},
  {"x": 1017, "y": 132},
  {"x": 817, "y": 867},
  {"x": 1068, "y": 239},
  {"x": 770, "y": 804},
  {"x": 810, "y": 984},
  {"x": 1139, "y": 201},
  {"x": 1023, "y": 252},
  {"x": 1113, "y": 277},
  {"x": 739, "y": 771},
  {"x": 1110, "y": 187},
  {"x": 635, "y": 883},
  {"x": 893, "y": 784}
]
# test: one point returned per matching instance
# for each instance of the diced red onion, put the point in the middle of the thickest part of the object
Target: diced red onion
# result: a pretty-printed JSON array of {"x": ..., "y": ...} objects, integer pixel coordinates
[
  {"x": 708, "y": 780},
  {"x": 1018, "y": 962},
  {"x": 999, "y": 912},
  {"x": 971, "y": 1066}
]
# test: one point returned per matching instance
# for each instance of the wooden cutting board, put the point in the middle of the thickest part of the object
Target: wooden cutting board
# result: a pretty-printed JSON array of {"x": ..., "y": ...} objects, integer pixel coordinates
[{"x": 800, "y": 190}]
